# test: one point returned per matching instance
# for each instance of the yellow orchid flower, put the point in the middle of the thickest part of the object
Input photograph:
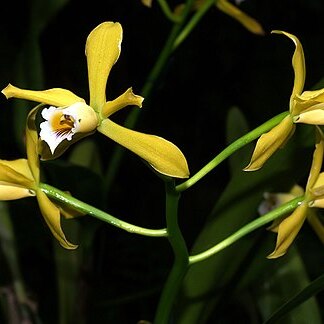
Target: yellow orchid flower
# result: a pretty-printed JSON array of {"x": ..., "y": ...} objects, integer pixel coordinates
[
  {"x": 304, "y": 107},
  {"x": 20, "y": 178},
  {"x": 288, "y": 227},
  {"x": 68, "y": 118},
  {"x": 245, "y": 20},
  {"x": 229, "y": 9}
]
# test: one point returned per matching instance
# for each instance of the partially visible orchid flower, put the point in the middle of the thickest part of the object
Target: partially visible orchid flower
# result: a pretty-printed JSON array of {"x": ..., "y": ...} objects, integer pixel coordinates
[
  {"x": 20, "y": 178},
  {"x": 305, "y": 107},
  {"x": 229, "y": 9},
  {"x": 69, "y": 118},
  {"x": 288, "y": 227}
]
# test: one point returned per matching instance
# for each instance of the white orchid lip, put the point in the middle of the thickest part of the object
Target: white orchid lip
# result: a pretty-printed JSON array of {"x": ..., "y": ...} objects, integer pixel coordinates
[{"x": 62, "y": 123}]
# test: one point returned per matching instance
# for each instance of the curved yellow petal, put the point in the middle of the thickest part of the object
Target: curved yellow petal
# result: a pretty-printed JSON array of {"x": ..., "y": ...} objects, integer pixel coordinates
[
  {"x": 317, "y": 161},
  {"x": 32, "y": 144},
  {"x": 248, "y": 22},
  {"x": 13, "y": 192},
  {"x": 270, "y": 142},
  {"x": 55, "y": 97},
  {"x": 128, "y": 98},
  {"x": 298, "y": 63},
  {"x": 288, "y": 230},
  {"x": 52, "y": 217},
  {"x": 9, "y": 174},
  {"x": 102, "y": 51},
  {"x": 161, "y": 154}
]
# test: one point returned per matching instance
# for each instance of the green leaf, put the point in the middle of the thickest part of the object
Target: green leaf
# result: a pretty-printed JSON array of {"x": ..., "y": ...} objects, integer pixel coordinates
[
  {"x": 302, "y": 299},
  {"x": 206, "y": 282},
  {"x": 236, "y": 126}
]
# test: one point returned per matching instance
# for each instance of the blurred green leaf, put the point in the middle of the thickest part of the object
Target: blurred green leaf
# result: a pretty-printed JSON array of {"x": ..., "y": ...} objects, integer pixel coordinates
[
  {"x": 301, "y": 305},
  {"x": 207, "y": 281}
]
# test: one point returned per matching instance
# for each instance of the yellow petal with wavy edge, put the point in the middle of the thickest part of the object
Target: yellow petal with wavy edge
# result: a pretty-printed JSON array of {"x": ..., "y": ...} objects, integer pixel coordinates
[
  {"x": 161, "y": 154},
  {"x": 12, "y": 192},
  {"x": 10, "y": 173},
  {"x": 270, "y": 142},
  {"x": 317, "y": 95},
  {"x": 52, "y": 217},
  {"x": 32, "y": 144},
  {"x": 55, "y": 97},
  {"x": 288, "y": 230},
  {"x": 317, "y": 160},
  {"x": 248, "y": 22},
  {"x": 128, "y": 98},
  {"x": 298, "y": 63},
  {"x": 102, "y": 51}
]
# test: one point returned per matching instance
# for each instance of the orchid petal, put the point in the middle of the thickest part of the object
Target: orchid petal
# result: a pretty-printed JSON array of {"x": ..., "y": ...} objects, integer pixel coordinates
[
  {"x": 312, "y": 116},
  {"x": 161, "y": 154},
  {"x": 102, "y": 51},
  {"x": 32, "y": 144},
  {"x": 13, "y": 192},
  {"x": 9, "y": 173},
  {"x": 298, "y": 63},
  {"x": 317, "y": 95},
  {"x": 317, "y": 160},
  {"x": 128, "y": 98},
  {"x": 52, "y": 217},
  {"x": 248, "y": 22},
  {"x": 55, "y": 97},
  {"x": 288, "y": 230},
  {"x": 46, "y": 153},
  {"x": 270, "y": 142}
]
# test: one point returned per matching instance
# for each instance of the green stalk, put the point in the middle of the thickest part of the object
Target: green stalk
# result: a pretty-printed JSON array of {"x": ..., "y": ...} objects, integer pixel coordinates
[
  {"x": 193, "y": 22},
  {"x": 257, "y": 223},
  {"x": 83, "y": 207},
  {"x": 167, "y": 11},
  {"x": 181, "y": 261},
  {"x": 229, "y": 150}
]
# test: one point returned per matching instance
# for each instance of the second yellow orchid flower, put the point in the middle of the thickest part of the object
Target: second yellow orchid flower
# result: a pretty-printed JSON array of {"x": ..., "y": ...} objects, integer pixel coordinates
[
  {"x": 20, "y": 178},
  {"x": 305, "y": 107},
  {"x": 68, "y": 118},
  {"x": 289, "y": 227}
]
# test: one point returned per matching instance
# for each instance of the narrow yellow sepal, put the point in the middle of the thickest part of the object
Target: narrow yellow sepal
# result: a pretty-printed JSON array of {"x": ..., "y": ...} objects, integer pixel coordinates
[
  {"x": 128, "y": 98},
  {"x": 248, "y": 22},
  {"x": 288, "y": 230},
  {"x": 270, "y": 142},
  {"x": 161, "y": 154},
  {"x": 13, "y": 192},
  {"x": 102, "y": 50},
  {"x": 52, "y": 217},
  {"x": 55, "y": 97},
  {"x": 298, "y": 63}
]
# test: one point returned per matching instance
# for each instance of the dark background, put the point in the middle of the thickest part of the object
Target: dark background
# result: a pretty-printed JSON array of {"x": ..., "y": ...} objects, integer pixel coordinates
[{"x": 220, "y": 65}]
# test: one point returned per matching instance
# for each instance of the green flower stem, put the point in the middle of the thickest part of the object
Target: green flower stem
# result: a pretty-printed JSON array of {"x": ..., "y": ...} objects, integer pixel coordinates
[
  {"x": 147, "y": 89},
  {"x": 257, "y": 223},
  {"x": 181, "y": 262},
  {"x": 229, "y": 150},
  {"x": 80, "y": 206},
  {"x": 193, "y": 22},
  {"x": 167, "y": 11}
]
